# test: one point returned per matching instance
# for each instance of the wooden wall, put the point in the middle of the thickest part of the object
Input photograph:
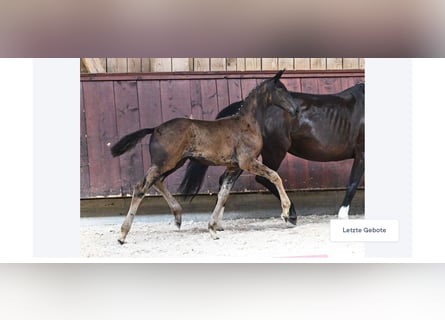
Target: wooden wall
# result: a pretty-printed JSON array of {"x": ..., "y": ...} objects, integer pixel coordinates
[
  {"x": 130, "y": 65},
  {"x": 113, "y": 105}
]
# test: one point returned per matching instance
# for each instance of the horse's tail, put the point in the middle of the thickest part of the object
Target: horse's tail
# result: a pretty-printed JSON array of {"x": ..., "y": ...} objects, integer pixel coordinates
[
  {"x": 196, "y": 171},
  {"x": 129, "y": 141},
  {"x": 193, "y": 179}
]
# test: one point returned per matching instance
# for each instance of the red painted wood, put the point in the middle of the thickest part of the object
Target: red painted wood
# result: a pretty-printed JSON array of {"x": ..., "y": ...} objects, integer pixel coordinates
[
  {"x": 222, "y": 93},
  {"x": 127, "y": 120},
  {"x": 150, "y": 115},
  {"x": 209, "y": 99},
  {"x": 234, "y": 86},
  {"x": 84, "y": 165},
  {"x": 117, "y": 104},
  {"x": 100, "y": 123},
  {"x": 195, "y": 99}
]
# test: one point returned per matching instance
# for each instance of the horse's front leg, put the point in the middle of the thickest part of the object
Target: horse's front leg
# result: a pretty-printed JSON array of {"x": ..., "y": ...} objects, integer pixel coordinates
[
  {"x": 229, "y": 178},
  {"x": 256, "y": 167}
]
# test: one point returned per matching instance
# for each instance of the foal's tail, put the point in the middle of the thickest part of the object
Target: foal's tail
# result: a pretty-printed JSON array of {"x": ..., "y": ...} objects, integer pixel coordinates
[{"x": 129, "y": 141}]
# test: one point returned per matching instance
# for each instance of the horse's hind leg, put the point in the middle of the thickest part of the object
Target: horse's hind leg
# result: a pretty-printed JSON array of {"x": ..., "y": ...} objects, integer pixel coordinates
[
  {"x": 256, "y": 167},
  {"x": 358, "y": 168},
  {"x": 175, "y": 207},
  {"x": 215, "y": 221},
  {"x": 138, "y": 194}
]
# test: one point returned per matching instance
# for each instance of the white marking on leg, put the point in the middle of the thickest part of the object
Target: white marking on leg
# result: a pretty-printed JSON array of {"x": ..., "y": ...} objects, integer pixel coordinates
[{"x": 343, "y": 212}]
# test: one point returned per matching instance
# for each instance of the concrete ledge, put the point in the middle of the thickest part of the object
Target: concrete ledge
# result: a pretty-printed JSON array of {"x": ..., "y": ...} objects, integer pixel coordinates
[{"x": 306, "y": 203}]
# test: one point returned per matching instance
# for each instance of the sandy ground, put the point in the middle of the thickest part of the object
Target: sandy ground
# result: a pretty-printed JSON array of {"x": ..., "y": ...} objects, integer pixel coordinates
[{"x": 249, "y": 237}]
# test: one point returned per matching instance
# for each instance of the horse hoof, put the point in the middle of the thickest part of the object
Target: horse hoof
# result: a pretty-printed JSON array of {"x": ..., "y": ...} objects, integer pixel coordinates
[
  {"x": 121, "y": 241},
  {"x": 293, "y": 221},
  {"x": 178, "y": 224},
  {"x": 285, "y": 219},
  {"x": 219, "y": 229}
]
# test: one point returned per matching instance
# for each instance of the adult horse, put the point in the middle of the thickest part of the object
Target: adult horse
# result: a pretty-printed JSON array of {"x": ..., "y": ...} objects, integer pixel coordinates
[
  {"x": 328, "y": 127},
  {"x": 233, "y": 142}
]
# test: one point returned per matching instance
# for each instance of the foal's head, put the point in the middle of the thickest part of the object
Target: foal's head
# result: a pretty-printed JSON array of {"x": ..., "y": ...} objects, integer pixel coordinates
[{"x": 273, "y": 92}]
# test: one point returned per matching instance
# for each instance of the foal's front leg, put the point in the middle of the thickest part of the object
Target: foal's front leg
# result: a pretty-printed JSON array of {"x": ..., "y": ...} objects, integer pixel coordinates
[
  {"x": 229, "y": 179},
  {"x": 256, "y": 167}
]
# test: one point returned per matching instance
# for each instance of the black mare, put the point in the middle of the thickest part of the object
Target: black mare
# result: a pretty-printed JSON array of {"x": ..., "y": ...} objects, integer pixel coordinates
[{"x": 328, "y": 127}]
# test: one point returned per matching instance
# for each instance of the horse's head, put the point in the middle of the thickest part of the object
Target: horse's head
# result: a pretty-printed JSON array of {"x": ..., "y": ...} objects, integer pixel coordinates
[{"x": 279, "y": 95}]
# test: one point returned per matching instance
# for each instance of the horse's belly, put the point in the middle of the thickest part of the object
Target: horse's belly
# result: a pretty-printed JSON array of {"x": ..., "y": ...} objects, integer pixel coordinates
[{"x": 321, "y": 152}]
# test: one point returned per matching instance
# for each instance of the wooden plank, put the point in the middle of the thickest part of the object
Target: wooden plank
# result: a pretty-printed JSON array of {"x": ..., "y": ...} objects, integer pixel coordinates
[
  {"x": 127, "y": 121},
  {"x": 182, "y": 64},
  {"x": 246, "y": 86},
  {"x": 348, "y": 82},
  {"x": 253, "y": 64},
  {"x": 84, "y": 166},
  {"x": 240, "y": 64},
  {"x": 286, "y": 63},
  {"x": 334, "y": 63},
  {"x": 292, "y": 84},
  {"x": 134, "y": 64},
  {"x": 175, "y": 99},
  {"x": 269, "y": 63},
  {"x": 161, "y": 64},
  {"x": 218, "y": 64},
  {"x": 195, "y": 99},
  {"x": 309, "y": 86},
  {"x": 219, "y": 75},
  {"x": 231, "y": 64},
  {"x": 302, "y": 63},
  {"x": 209, "y": 99},
  {"x": 117, "y": 65},
  {"x": 350, "y": 63},
  {"x": 318, "y": 63},
  {"x": 94, "y": 65},
  {"x": 201, "y": 64},
  {"x": 100, "y": 116},
  {"x": 150, "y": 113},
  {"x": 329, "y": 85},
  {"x": 145, "y": 65},
  {"x": 222, "y": 90},
  {"x": 234, "y": 86}
]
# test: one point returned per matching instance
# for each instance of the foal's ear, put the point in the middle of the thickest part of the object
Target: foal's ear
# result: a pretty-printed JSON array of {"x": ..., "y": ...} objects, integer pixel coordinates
[{"x": 278, "y": 75}]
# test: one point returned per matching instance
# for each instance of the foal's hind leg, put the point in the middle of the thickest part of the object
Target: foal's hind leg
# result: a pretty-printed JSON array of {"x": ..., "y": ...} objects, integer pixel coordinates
[
  {"x": 138, "y": 194},
  {"x": 229, "y": 179},
  {"x": 256, "y": 167},
  {"x": 175, "y": 207}
]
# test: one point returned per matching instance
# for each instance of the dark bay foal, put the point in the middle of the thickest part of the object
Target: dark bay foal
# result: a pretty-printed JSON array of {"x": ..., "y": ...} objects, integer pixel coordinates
[{"x": 233, "y": 142}]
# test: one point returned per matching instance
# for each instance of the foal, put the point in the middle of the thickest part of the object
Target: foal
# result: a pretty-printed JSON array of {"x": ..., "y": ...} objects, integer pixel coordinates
[{"x": 233, "y": 142}]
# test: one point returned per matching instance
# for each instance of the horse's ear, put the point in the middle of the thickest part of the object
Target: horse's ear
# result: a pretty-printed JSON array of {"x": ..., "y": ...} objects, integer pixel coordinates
[{"x": 278, "y": 75}]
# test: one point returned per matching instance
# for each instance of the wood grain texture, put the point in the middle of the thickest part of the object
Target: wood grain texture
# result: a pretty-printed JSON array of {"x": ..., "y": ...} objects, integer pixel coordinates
[
  {"x": 117, "y": 65},
  {"x": 318, "y": 63},
  {"x": 110, "y": 108},
  {"x": 132, "y": 65}
]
